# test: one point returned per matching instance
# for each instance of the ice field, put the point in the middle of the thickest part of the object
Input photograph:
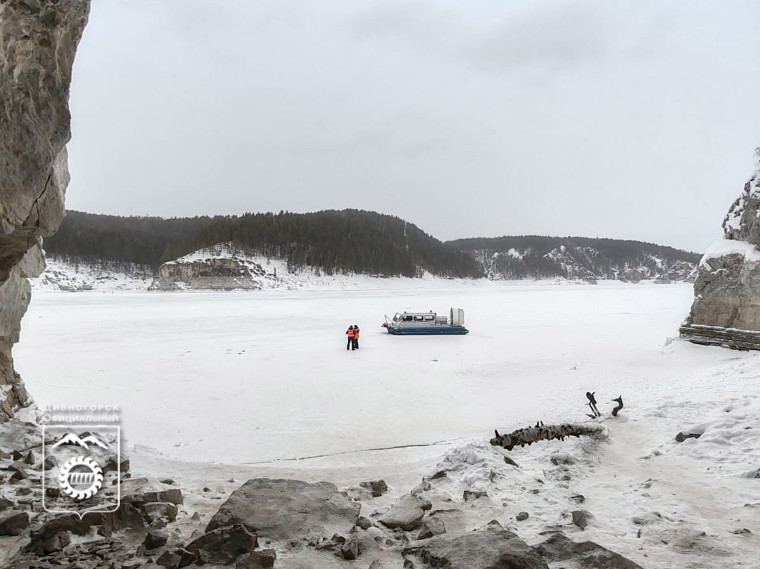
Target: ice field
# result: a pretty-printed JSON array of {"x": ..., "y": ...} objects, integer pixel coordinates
[{"x": 251, "y": 377}]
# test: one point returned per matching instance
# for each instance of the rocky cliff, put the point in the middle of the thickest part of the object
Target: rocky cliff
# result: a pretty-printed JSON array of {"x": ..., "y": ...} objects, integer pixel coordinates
[
  {"x": 227, "y": 267},
  {"x": 38, "y": 40},
  {"x": 726, "y": 308}
]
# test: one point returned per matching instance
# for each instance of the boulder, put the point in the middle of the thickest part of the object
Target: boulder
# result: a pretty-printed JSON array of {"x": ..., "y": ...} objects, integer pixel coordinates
[
  {"x": 13, "y": 522},
  {"x": 430, "y": 527},
  {"x": 565, "y": 552},
  {"x": 726, "y": 307},
  {"x": 224, "y": 545},
  {"x": 489, "y": 547},
  {"x": 139, "y": 491},
  {"x": 155, "y": 538},
  {"x": 164, "y": 511},
  {"x": 6, "y": 504},
  {"x": 263, "y": 559},
  {"x": 406, "y": 513},
  {"x": 376, "y": 487},
  {"x": 55, "y": 533},
  {"x": 287, "y": 509},
  {"x": 350, "y": 549},
  {"x": 581, "y": 518}
]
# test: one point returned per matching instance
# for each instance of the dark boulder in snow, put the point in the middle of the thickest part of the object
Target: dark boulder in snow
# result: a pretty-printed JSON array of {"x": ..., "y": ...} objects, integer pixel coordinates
[
  {"x": 430, "y": 527},
  {"x": 406, "y": 513},
  {"x": 287, "y": 509},
  {"x": 13, "y": 522},
  {"x": 581, "y": 518},
  {"x": 564, "y": 552},
  {"x": 223, "y": 545},
  {"x": 489, "y": 547},
  {"x": 376, "y": 487}
]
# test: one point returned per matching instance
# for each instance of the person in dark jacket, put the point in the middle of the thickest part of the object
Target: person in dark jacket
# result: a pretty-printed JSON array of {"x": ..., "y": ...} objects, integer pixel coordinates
[{"x": 350, "y": 332}]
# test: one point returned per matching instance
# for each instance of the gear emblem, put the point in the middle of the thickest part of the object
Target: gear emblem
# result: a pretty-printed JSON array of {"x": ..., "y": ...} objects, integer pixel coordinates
[{"x": 80, "y": 478}]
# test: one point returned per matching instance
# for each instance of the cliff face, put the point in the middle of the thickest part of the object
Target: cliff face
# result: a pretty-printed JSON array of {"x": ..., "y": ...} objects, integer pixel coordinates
[
  {"x": 38, "y": 40},
  {"x": 726, "y": 308}
]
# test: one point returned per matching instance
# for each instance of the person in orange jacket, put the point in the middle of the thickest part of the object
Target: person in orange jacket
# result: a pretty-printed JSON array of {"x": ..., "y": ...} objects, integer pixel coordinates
[
  {"x": 356, "y": 337},
  {"x": 350, "y": 333}
]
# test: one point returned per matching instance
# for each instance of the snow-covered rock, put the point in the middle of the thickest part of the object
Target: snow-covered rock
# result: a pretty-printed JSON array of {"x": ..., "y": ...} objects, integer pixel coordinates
[
  {"x": 68, "y": 276},
  {"x": 581, "y": 263},
  {"x": 726, "y": 308}
]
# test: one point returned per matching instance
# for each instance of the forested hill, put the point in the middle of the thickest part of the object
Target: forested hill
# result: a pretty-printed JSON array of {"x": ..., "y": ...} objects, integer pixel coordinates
[
  {"x": 333, "y": 241},
  {"x": 535, "y": 256}
]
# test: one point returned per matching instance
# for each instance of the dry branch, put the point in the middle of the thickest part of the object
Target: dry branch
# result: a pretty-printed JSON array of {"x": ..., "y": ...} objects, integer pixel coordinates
[
  {"x": 530, "y": 435},
  {"x": 619, "y": 401}
]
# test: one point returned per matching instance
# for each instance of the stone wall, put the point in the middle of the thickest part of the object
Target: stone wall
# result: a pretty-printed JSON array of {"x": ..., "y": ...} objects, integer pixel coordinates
[{"x": 38, "y": 41}]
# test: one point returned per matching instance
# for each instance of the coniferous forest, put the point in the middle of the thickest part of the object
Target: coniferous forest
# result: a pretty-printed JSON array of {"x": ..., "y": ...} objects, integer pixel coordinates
[
  {"x": 333, "y": 241},
  {"x": 351, "y": 241}
]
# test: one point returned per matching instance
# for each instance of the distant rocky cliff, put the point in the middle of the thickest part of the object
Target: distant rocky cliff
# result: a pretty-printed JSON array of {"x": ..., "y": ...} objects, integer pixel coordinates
[
  {"x": 726, "y": 308},
  {"x": 579, "y": 259},
  {"x": 228, "y": 267},
  {"x": 214, "y": 268},
  {"x": 38, "y": 40}
]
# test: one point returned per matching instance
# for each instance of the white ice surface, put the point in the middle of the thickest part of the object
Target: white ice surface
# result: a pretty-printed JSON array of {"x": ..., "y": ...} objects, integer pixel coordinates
[{"x": 251, "y": 377}]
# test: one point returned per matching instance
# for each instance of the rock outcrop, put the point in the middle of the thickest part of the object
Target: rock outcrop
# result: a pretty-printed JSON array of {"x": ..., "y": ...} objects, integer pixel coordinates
[
  {"x": 38, "y": 40},
  {"x": 222, "y": 267},
  {"x": 285, "y": 509},
  {"x": 490, "y": 547},
  {"x": 726, "y": 308}
]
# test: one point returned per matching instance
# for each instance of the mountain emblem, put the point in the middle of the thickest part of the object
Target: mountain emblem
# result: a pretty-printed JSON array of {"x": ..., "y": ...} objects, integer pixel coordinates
[{"x": 72, "y": 439}]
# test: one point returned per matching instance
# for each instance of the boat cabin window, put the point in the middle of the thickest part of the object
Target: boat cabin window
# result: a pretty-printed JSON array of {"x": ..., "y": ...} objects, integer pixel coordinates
[
  {"x": 418, "y": 318},
  {"x": 429, "y": 317},
  {"x": 408, "y": 318}
]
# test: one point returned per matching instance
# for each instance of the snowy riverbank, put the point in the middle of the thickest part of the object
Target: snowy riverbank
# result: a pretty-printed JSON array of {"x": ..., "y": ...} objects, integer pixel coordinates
[{"x": 274, "y": 386}]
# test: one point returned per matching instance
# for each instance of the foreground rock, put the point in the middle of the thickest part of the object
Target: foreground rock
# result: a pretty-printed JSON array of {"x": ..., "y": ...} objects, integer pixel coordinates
[
  {"x": 406, "y": 513},
  {"x": 490, "y": 547},
  {"x": 39, "y": 40},
  {"x": 726, "y": 308},
  {"x": 287, "y": 509},
  {"x": 567, "y": 553}
]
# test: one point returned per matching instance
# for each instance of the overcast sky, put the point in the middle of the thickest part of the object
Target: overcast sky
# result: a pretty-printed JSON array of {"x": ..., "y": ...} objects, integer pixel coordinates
[{"x": 629, "y": 119}]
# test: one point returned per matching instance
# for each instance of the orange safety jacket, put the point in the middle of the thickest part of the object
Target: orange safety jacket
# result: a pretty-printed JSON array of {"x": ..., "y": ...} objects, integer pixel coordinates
[
  {"x": 356, "y": 333},
  {"x": 351, "y": 333}
]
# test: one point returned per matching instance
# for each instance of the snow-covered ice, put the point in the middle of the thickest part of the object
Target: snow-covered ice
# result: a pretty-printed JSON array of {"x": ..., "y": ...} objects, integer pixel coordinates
[{"x": 258, "y": 382}]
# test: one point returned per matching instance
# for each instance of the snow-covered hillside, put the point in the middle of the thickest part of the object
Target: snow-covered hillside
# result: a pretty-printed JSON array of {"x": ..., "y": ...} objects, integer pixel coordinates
[
  {"x": 581, "y": 263},
  {"x": 226, "y": 267},
  {"x": 217, "y": 268},
  {"x": 104, "y": 277}
]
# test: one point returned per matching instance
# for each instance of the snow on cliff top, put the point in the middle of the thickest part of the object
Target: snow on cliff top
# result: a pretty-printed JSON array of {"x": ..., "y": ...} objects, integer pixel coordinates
[{"x": 730, "y": 247}]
